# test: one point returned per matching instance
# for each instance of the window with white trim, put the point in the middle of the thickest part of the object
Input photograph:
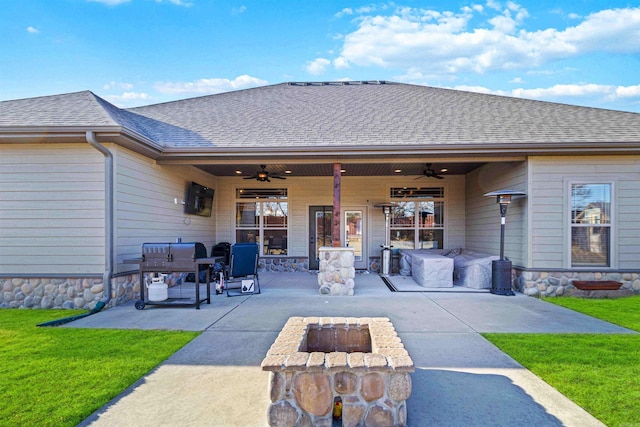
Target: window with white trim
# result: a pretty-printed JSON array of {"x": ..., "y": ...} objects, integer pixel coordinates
[
  {"x": 262, "y": 216},
  {"x": 417, "y": 220},
  {"x": 591, "y": 224}
]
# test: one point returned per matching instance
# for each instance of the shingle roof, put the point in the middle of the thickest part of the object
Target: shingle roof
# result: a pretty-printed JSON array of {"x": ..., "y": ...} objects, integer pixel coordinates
[
  {"x": 354, "y": 114},
  {"x": 71, "y": 109},
  {"x": 78, "y": 109},
  {"x": 383, "y": 114}
]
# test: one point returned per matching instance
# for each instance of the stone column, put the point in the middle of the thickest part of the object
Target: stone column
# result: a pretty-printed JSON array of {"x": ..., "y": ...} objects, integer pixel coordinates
[{"x": 337, "y": 271}]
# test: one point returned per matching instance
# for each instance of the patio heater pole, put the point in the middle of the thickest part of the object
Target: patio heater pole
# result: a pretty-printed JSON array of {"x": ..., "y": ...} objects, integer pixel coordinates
[
  {"x": 501, "y": 269},
  {"x": 385, "y": 258}
]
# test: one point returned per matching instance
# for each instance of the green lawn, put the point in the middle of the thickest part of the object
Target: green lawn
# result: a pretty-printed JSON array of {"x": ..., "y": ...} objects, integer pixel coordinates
[
  {"x": 59, "y": 376},
  {"x": 601, "y": 373}
]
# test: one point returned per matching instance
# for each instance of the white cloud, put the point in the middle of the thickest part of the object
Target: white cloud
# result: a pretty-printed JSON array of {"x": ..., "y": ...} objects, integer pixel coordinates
[
  {"x": 442, "y": 42},
  {"x": 317, "y": 66},
  {"x": 628, "y": 91},
  {"x": 238, "y": 10},
  {"x": 562, "y": 92},
  {"x": 128, "y": 99},
  {"x": 176, "y": 2},
  {"x": 344, "y": 12},
  {"x": 567, "y": 90},
  {"x": 110, "y": 2},
  {"x": 117, "y": 85},
  {"x": 516, "y": 80},
  {"x": 32, "y": 30},
  {"x": 209, "y": 86},
  {"x": 117, "y": 2}
]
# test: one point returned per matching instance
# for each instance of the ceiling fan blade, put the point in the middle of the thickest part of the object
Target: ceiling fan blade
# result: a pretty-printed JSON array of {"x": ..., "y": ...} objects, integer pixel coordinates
[
  {"x": 438, "y": 177},
  {"x": 250, "y": 177},
  {"x": 277, "y": 177}
]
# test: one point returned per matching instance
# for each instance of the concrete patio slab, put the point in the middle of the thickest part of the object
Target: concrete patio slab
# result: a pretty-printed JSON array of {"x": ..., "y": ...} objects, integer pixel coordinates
[{"x": 461, "y": 379}]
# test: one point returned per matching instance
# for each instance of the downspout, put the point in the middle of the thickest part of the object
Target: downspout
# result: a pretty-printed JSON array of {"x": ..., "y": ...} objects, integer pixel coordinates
[
  {"x": 108, "y": 230},
  {"x": 108, "y": 218}
]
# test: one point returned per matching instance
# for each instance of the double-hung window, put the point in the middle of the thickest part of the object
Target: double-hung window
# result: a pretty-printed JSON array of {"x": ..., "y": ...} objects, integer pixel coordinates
[
  {"x": 591, "y": 224},
  {"x": 262, "y": 217},
  {"x": 417, "y": 219}
]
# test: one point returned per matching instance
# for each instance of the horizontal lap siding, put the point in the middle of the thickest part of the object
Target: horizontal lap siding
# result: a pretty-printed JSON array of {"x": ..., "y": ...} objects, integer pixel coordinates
[
  {"x": 550, "y": 210},
  {"x": 51, "y": 209},
  {"x": 483, "y": 213},
  {"x": 145, "y": 205}
]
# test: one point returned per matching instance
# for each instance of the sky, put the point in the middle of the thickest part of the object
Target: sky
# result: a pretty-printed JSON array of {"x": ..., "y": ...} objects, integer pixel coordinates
[{"x": 140, "y": 52}]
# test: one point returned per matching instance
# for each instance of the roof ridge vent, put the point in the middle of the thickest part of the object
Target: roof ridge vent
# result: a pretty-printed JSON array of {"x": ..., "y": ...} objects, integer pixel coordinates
[{"x": 340, "y": 83}]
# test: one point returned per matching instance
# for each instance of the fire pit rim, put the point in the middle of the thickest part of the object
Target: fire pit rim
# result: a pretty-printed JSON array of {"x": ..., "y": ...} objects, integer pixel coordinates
[{"x": 387, "y": 350}]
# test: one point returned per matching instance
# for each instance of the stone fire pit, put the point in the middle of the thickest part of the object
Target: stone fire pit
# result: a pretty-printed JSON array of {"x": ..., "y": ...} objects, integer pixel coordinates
[{"x": 315, "y": 361}]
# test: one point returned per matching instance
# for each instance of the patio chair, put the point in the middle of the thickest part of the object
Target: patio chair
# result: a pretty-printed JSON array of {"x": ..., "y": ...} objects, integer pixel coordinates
[{"x": 243, "y": 269}]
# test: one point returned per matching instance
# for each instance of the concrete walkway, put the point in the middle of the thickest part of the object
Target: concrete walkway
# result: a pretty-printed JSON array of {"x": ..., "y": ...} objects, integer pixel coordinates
[{"x": 460, "y": 380}]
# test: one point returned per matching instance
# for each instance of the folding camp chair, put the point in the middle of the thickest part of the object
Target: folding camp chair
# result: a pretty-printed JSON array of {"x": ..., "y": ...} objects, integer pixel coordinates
[{"x": 243, "y": 269}]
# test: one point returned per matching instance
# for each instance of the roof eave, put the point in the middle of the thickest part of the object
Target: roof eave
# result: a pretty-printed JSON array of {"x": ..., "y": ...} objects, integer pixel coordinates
[
  {"x": 77, "y": 134},
  {"x": 405, "y": 150}
]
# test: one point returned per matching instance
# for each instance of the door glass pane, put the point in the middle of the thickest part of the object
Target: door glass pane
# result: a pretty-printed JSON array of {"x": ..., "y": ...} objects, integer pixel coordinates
[
  {"x": 323, "y": 229},
  {"x": 353, "y": 228}
]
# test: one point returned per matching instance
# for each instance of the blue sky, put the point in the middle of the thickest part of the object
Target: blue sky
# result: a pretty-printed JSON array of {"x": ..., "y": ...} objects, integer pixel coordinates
[{"x": 138, "y": 52}]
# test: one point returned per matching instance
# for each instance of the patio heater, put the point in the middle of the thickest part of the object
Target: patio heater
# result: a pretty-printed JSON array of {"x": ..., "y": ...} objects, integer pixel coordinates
[
  {"x": 501, "y": 269},
  {"x": 385, "y": 257}
]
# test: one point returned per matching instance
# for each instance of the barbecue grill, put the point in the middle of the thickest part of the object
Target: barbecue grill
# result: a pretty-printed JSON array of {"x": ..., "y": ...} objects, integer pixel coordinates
[{"x": 171, "y": 258}]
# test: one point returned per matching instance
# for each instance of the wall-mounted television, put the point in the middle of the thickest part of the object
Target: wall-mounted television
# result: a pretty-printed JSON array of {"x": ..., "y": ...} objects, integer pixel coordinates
[{"x": 199, "y": 200}]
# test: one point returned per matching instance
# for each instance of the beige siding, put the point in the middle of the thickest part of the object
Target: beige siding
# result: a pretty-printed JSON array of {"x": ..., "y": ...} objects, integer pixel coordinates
[
  {"x": 550, "y": 206},
  {"x": 357, "y": 192},
  {"x": 483, "y": 213},
  {"x": 51, "y": 209},
  {"x": 145, "y": 205}
]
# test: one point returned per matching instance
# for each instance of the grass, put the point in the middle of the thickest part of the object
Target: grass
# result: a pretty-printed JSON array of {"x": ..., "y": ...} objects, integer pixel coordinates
[
  {"x": 601, "y": 373},
  {"x": 60, "y": 376}
]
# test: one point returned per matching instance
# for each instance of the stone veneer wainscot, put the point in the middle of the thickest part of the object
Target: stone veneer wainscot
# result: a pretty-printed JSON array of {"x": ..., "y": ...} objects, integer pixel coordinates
[{"x": 360, "y": 360}]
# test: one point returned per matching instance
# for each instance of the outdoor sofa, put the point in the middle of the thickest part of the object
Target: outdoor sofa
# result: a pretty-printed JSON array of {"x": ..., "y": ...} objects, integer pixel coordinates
[{"x": 470, "y": 269}]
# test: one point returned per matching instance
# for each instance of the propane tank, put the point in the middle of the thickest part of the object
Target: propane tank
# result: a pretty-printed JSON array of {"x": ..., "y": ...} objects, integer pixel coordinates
[
  {"x": 220, "y": 284},
  {"x": 158, "y": 290}
]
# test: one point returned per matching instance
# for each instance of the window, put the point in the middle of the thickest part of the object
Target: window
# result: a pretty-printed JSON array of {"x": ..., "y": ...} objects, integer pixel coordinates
[
  {"x": 262, "y": 216},
  {"x": 591, "y": 225},
  {"x": 418, "y": 222}
]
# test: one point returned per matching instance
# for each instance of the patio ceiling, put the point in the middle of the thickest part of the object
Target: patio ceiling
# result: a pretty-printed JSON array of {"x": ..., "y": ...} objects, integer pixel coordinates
[{"x": 351, "y": 169}]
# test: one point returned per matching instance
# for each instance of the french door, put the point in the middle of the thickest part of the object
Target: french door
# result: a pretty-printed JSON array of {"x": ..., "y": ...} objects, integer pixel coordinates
[{"x": 353, "y": 229}]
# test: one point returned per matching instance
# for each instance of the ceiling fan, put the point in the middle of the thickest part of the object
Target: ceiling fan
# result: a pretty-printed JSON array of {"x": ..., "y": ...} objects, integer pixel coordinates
[
  {"x": 429, "y": 172},
  {"x": 263, "y": 176}
]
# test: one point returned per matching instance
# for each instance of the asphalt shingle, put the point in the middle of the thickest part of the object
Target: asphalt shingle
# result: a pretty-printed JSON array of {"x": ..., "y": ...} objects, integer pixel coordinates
[{"x": 365, "y": 114}]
